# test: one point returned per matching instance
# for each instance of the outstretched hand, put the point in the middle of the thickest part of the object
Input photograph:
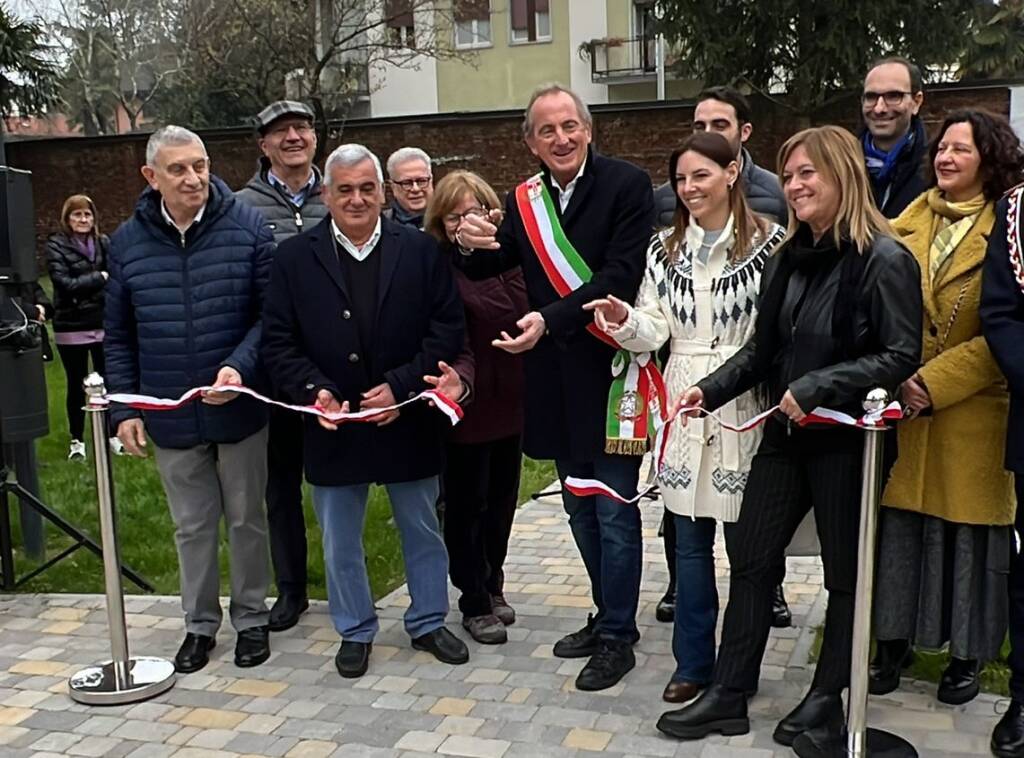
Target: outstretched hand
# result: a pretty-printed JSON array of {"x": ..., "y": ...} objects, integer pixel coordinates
[
  {"x": 533, "y": 328},
  {"x": 449, "y": 383},
  {"x": 609, "y": 312}
]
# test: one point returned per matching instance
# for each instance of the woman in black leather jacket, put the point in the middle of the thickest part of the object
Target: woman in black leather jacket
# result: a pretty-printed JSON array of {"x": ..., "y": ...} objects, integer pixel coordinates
[
  {"x": 840, "y": 314},
  {"x": 76, "y": 258}
]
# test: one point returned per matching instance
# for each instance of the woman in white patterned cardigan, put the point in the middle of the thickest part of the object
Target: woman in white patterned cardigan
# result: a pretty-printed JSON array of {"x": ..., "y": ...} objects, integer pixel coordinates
[{"x": 699, "y": 293}]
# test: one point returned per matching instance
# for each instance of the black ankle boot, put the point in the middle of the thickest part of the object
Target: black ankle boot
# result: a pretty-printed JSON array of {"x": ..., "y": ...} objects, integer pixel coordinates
[
  {"x": 782, "y": 617},
  {"x": 891, "y": 657},
  {"x": 959, "y": 683},
  {"x": 666, "y": 608},
  {"x": 1008, "y": 736},
  {"x": 718, "y": 709},
  {"x": 817, "y": 709}
]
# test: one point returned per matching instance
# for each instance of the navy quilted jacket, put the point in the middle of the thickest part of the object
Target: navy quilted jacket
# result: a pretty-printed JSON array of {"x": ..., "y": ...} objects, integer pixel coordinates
[{"x": 177, "y": 311}]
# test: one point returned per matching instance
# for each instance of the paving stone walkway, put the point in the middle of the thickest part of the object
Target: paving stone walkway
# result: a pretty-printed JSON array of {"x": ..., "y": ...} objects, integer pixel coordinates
[{"x": 508, "y": 701}]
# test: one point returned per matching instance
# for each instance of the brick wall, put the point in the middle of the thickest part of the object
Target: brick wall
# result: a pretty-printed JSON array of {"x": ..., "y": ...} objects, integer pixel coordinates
[{"x": 107, "y": 168}]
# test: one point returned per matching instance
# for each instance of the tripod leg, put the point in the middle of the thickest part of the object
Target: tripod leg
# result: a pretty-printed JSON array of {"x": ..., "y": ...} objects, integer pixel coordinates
[
  {"x": 27, "y": 498},
  {"x": 6, "y": 548}
]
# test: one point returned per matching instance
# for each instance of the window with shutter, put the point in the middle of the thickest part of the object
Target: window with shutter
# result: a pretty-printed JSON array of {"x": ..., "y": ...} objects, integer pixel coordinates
[
  {"x": 472, "y": 23},
  {"x": 530, "y": 20}
]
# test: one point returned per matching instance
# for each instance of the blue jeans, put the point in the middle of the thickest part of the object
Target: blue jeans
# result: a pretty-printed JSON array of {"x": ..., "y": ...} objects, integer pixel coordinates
[
  {"x": 609, "y": 539},
  {"x": 693, "y": 636},
  {"x": 341, "y": 512}
]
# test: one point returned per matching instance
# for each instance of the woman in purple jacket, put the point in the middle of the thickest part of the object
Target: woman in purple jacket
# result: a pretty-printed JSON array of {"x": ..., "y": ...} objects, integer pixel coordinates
[{"x": 481, "y": 478}]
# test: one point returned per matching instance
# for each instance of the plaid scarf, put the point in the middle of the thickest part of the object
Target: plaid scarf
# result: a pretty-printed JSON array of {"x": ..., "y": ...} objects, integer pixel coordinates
[{"x": 950, "y": 224}]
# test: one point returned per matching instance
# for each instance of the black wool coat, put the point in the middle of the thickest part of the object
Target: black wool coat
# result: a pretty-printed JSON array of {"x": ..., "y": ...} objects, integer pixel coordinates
[
  {"x": 311, "y": 342},
  {"x": 608, "y": 220},
  {"x": 1002, "y": 323}
]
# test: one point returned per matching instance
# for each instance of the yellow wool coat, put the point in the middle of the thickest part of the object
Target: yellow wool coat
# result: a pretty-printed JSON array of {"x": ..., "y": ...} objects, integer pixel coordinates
[{"x": 950, "y": 464}]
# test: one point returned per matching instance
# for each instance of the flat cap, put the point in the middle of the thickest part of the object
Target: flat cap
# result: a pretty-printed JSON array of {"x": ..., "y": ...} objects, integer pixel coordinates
[{"x": 278, "y": 109}]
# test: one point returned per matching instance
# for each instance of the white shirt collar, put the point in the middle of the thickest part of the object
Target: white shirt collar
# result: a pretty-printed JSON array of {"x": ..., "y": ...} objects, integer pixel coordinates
[
  {"x": 170, "y": 219},
  {"x": 565, "y": 193},
  {"x": 359, "y": 252}
]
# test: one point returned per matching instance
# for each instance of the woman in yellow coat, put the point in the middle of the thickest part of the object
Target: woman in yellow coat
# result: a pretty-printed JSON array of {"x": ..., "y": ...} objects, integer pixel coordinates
[{"x": 946, "y": 528}]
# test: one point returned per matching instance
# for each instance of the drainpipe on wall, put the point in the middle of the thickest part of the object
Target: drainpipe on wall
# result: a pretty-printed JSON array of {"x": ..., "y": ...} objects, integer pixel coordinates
[{"x": 659, "y": 53}]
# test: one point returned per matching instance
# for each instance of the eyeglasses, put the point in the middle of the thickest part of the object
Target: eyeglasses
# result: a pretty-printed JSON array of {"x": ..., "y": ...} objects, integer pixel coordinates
[
  {"x": 415, "y": 183},
  {"x": 891, "y": 98},
  {"x": 454, "y": 218}
]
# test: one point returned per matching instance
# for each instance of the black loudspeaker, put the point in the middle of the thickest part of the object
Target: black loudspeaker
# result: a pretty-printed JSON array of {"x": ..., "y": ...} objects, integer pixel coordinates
[
  {"x": 17, "y": 230},
  {"x": 23, "y": 413}
]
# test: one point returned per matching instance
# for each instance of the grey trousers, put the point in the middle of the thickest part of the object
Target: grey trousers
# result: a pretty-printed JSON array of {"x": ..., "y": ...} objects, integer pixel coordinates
[{"x": 203, "y": 485}]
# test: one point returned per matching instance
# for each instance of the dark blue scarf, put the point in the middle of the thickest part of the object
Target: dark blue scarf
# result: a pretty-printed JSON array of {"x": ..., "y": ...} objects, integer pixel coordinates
[{"x": 880, "y": 164}]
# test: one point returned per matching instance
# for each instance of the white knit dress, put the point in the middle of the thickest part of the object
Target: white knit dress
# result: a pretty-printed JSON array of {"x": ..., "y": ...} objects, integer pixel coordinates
[{"x": 707, "y": 311}]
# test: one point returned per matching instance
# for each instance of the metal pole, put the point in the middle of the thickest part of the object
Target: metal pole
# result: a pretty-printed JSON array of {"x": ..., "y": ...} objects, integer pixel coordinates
[
  {"x": 659, "y": 53},
  {"x": 870, "y": 491},
  {"x": 858, "y": 741},
  {"x": 122, "y": 679}
]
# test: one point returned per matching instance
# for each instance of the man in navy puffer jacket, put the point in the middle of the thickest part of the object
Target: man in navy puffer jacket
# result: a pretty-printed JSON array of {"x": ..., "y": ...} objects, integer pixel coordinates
[{"x": 183, "y": 302}]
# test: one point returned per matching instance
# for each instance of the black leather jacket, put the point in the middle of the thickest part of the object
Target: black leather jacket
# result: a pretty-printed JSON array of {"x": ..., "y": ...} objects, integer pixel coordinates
[{"x": 887, "y": 347}]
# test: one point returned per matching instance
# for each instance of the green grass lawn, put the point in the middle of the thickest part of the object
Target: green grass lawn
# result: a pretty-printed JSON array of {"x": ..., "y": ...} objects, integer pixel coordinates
[{"x": 144, "y": 525}]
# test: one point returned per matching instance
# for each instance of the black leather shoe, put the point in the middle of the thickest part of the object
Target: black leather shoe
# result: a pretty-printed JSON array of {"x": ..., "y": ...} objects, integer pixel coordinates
[
  {"x": 891, "y": 657},
  {"x": 443, "y": 645},
  {"x": 959, "y": 683},
  {"x": 718, "y": 709},
  {"x": 817, "y": 709},
  {"x": 665, "y": 611},
  {"x": 782, "y": 617},
  {"x": 194, "y": 653},
  {"x": 252, "y": 647},
  {"x": 286, "y": 611},
  {"x": 1008, "y": 736},
  {"x": 353, "y": 659},
  {"x": 581, "y": 644},
  {"x": 612, "y": 661}
]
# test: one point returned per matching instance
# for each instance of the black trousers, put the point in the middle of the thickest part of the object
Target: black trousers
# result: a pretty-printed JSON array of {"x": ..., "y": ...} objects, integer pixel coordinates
[
  {"x": 75, "y": 359},
  {"x": 1016, "y": 585},
  {"x": 285, "y": 520},
  {"x": 481, "y": 484},
  {"x": 793, "y": 471}
]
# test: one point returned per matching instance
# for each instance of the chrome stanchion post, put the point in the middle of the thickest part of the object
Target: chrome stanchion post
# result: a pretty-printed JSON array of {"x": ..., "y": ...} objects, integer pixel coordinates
[
  {"x": 858, "y": 741},
  {"x": 122, "y": 679}
]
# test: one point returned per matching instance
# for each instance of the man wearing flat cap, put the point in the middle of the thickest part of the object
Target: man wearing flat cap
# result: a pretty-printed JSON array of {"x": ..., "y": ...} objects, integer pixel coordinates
[{"x": 286, "y": 190}]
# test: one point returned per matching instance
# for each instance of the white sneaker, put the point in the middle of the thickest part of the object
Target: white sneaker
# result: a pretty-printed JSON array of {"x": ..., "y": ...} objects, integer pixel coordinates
[
  {"x": 77, "y": 451},
  {"x": 116, "y": 446}
]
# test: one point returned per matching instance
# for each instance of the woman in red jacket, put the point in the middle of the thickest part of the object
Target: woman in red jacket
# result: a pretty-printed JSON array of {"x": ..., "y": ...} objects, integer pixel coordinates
[{"x": 481, "y": 478}]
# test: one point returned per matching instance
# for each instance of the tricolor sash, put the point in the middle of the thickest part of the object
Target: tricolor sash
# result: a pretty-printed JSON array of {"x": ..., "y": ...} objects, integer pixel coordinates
[{"x": 636, "y": 400}]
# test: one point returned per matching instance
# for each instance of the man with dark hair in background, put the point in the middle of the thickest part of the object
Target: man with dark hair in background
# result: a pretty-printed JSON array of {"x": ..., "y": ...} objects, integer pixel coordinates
[{"x": 894, "y": 139}]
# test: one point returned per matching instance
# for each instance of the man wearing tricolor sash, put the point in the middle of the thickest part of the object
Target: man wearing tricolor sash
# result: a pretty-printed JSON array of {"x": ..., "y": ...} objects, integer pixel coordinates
[
  {"x": 579, "y": 229},
  {"x": 1002, "y": 322}
]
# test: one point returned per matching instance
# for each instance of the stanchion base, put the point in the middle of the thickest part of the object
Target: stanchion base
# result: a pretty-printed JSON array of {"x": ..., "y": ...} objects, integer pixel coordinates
[
  {"x": 825, "y": 743},
  {"x": 97, "y": 685}
]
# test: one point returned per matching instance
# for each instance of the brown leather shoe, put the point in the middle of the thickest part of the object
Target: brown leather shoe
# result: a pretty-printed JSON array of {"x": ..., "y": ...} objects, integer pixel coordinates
[{"x": 680, "y": 692}]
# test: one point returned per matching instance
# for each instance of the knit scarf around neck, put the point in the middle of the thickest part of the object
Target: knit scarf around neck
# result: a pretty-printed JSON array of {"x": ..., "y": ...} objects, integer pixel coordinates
[
  {"x": 881, "y": 163},
  {"x": 951, "y": 222}
]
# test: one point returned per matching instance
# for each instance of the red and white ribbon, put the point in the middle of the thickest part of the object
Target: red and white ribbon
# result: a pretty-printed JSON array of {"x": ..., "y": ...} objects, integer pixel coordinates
[
  {"x": 447, "y": 406},
  {"x": 582, "y": 487}
]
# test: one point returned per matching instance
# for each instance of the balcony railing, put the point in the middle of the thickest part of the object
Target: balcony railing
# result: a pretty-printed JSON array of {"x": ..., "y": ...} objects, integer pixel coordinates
[{"x": 619, "y": 59}]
